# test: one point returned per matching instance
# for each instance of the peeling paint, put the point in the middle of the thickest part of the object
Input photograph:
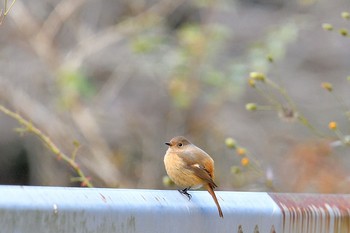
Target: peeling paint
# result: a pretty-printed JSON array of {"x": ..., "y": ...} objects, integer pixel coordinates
[{"x": 314, "y": 213}]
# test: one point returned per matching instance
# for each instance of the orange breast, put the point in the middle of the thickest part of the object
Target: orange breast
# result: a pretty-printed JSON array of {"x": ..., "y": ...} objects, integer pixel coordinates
[{"x": 176, "y": 169}]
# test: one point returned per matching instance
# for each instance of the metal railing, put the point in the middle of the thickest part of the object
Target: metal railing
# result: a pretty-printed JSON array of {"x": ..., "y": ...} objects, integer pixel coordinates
[{"x": 56, "y": 209}]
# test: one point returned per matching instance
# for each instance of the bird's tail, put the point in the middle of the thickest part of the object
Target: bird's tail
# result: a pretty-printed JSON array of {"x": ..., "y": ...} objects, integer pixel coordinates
[{"x": 212, "y": 193}]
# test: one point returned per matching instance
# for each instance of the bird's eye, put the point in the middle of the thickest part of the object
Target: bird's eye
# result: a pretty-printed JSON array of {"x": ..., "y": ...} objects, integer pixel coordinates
[{"x": 180, "y": 144}]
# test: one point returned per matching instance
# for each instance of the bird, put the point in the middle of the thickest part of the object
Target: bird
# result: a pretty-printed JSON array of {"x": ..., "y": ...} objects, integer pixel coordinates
[{"x": 189, "y": 167}]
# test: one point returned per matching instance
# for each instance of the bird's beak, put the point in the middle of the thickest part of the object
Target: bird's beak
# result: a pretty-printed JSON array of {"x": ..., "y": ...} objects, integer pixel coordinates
[{"x": 168, "y": 144}]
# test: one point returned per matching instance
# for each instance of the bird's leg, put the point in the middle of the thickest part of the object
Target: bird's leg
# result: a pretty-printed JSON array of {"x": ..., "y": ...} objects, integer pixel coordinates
[{"x": 184, "y": 192}]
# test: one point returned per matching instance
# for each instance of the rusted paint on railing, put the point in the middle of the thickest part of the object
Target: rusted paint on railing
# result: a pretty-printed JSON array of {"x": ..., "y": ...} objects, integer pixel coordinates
[{"x": 314, "y": 213}]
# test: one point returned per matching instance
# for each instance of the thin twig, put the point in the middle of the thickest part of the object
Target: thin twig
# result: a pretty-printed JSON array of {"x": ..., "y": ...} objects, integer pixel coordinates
[
  {"x": 302, "y": 119},
  {"x": 7, "y": 10},
  {"x": 30, "y": 127},
  {"x": 3, "y": 12}
]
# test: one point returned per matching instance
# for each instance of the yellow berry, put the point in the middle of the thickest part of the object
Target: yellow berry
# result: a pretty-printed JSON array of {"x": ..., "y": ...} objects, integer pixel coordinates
[
  {"x": 345, "y": 15},
  {"x": 257, "y": 76},
  {"x": 327, "y": 86},
  {"x": 251, "y": 82},
  {"x": 327, "y": 27},
  {"x": 343, "y": 32},
  {"x": 230, "y": 143},
  {"x": 241, "y": 151},
  {"x": 167, "y": 181},
  {"x": 251, "y": 106},
  {"x": 244, "y": 161},
  {"x": 235, "y": 170},
  {"x": 332, "y": 125},
  {"x": 270, "y": 58}
]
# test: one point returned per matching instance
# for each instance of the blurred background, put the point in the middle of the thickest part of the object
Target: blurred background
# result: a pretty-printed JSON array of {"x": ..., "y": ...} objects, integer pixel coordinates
[{"x": 123, "y": 77}]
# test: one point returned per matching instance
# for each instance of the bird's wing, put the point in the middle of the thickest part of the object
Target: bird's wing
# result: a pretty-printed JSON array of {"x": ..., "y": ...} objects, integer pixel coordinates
[
  {"x": 200, "y": 163},
  {"x": 203, "y": 173}
]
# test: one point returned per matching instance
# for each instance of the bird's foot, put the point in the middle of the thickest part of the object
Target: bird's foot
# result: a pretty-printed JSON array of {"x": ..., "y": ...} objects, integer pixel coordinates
[{"x": 184, "y": 192}]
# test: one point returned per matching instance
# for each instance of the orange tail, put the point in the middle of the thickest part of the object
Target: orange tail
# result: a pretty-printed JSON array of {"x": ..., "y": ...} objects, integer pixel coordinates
[{"x": 211, "y": 191}]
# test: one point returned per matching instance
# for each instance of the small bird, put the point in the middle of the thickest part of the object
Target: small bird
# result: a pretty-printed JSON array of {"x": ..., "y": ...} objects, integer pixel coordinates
[{"x": 190, "y": 167}]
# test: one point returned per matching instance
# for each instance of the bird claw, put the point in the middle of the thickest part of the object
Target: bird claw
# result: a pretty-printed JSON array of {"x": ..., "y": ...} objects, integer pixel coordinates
[{"x": 184, "y": 192}]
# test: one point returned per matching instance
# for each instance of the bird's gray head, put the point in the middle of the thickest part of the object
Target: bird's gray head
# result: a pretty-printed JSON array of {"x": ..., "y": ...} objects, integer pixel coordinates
[{"x": 178, "y": 142}]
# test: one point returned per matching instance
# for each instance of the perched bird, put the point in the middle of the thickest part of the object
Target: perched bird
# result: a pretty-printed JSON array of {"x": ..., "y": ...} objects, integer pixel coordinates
[{"x": 190, "y": 167}]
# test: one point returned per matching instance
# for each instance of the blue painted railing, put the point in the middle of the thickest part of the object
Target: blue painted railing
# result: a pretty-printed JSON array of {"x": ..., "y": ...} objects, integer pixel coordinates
[{"x": 55, "y": 209}]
